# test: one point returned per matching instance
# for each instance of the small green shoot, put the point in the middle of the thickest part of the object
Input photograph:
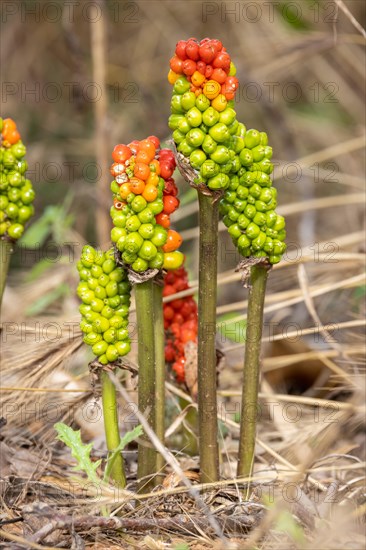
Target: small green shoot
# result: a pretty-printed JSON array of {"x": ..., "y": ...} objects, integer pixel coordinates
[
  {"x": 126, "y": 439},
  {"x": 81, "y": 451}
]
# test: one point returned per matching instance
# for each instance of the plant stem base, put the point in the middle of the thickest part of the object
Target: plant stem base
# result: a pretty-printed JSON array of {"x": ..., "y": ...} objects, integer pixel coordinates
[
  {"x": 144, "y": 294},
  {"x": 113, "y": 438},
  {"x": 159, "y": 342},
  {"x": 207, "y": 401},
  {"x": 6, "y": 249},
  {"x": 248, "y": 421}
]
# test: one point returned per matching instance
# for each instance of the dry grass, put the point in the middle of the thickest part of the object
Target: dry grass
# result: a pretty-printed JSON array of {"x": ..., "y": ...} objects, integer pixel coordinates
[{"x": 309, "y": 470}]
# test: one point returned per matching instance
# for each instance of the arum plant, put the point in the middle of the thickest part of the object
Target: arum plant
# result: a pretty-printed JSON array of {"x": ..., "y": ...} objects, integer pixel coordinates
[
  {"x": 144, "y": 198},
  {"x": 203, "y": 121},
  {"x": 105, "y": 294},
  {"x": 16, "y": 194},
  {"x": 231, "y": 166},
  {"x": 258, "y": 233}
]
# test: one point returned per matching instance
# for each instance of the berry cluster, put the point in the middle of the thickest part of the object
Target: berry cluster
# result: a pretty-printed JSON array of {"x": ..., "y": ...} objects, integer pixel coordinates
[
  {"x": 208, "y": 68},
  {"x": 144, "y": 197},
  {"x": 224, "y": 153},
  {"x": 180, "y": 321},
  {"x": 16, "y": 191},
  {"x": 249, "y": 202},
  {"x": 105, "y": 294}
]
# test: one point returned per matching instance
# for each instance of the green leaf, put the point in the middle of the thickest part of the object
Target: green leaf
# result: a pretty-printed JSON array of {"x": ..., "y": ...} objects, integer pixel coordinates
[
  {"x": 79, "y": 450},
  {"x": 234, "y": 332},
  {"x": 291, "y": 13},
  {"x": 44, "y": 301},
  {"x": 38, "y": 269},
  {"x": 126, "y": 439},
  {"x": 288, "y": 525},
  {"x": 37, "y": 233}
]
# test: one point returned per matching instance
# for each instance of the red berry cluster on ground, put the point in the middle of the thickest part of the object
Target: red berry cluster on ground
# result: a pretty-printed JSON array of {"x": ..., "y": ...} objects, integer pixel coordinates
[
  {"x": 207, "y": 65},
  {"x": 180, "y": 321}
]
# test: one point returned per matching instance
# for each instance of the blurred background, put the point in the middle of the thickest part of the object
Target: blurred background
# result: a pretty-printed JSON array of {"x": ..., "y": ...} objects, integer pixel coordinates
[{"x": 79, "y": 77}]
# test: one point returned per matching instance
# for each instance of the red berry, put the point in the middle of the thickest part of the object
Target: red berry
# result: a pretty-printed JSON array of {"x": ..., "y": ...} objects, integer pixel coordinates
[
  {"x": 168, "y": 289},
  {"x": 169, "y": 278},
  {"x": 166, "y": 170},
  {"x": 178, "y": 318},
  {"x": 207, "y": 52},
  {"x": 170, "y": 204},
  {"x": 231, "y": 82},
  {"x": 180, "y": 49},
  {"x": 121, "y": 153},
  {"x": 163, "y": 220},
  {"x": 188, "y": 335},
  {"x": 169, "y": 354},
  {"x": 189, "y": 67},
  {"x": 219, "y": 75},
  {"x": 155, "y": 140},
  {"x": 176, "y": 64},
  {"x": 222, "y": 61},
  {"x": 170, "y": 188},
  {"x": 209, "y": 71},
  {"x": 217, "y": 45},
  {"x": 201, "y": 67},
  {"x": 177, "y": 304},
  {"x": 168, "y": 312},
  {"x": 192, "y": 50},
  {"x": 181, "y": 284}
]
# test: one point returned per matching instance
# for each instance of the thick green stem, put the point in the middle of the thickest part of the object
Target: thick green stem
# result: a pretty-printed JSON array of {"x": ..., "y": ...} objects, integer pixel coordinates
[
  {"x": 207, "y": 401},
  {"x": 144, "y": 294},
  {"x": 110, "y": 413},
  {"x": 248, "y": 420},
  {"x": 6, "y": 248},
  {"x": 159, "y": 370}
]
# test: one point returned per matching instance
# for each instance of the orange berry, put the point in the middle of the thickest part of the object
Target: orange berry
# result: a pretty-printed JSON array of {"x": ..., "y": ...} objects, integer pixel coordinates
[
  {"x": 211, "y": 89},
  {"x": 136, "y": 186},
  {"x": 155, "y": 163},
  {"x": 163, "y": 220},
  {"x": 134, "y": 146},
  {"x": 153, "y": 179},
  {"x": 150, "y": 193},
  {"x": 141, "y": 171},
  {"x": 198, "y": 79},
  {"x": 172, "y": 77},
  {"x": 219, "y": 103},
  {"x": 8, "y": 125},
  {"x": 173, "y": 242},
  {"x": 143, "y": 157},
  {"x": 11, "y": 137},
  {"x": 148, "y": 147}
]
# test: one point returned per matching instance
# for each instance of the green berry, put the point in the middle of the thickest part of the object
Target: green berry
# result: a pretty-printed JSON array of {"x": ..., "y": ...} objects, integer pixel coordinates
[
  {"x": 112, "y": 353},
  {"x": 99, "y": 348},
  {"x": 252, "y": 138},
  {"x": 15, "y": 230},
  {"x": 110, "y": 335},
  {"x": 219, "y": 132},
  {"x": 100, "y": 325}
]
